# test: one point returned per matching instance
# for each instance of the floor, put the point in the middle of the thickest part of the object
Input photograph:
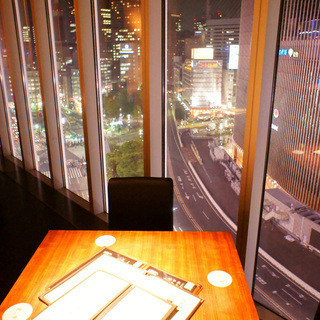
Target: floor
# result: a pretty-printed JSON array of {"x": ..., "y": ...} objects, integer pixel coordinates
[{"x": 25, "y": 220}]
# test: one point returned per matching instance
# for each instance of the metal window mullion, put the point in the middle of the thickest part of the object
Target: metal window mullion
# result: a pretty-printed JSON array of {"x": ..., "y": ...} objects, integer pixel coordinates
[
  {"x": 17, "y": 66},
  {"x": 5, "y": 123},
  {"x": 45, "y": 48},
  {"x": 153, "y": 24},
  {"x": 261, "y": 78},
  {"x": 90, "y": 84}
]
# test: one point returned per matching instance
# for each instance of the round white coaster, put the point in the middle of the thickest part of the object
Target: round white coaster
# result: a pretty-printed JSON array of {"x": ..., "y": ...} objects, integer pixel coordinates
[
  {"x": 20, "y": 311},
  {"x": 219, "y": 278},
  {"x": 105, "y": 241}
]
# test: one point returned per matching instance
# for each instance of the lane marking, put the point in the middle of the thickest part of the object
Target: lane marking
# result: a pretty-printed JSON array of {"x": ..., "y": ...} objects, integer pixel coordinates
[
  {"x": 291, "y": 296},
  {"x": 205, "y": 215},
  {"x": 313, "y": 293},
  {"x": 274, "y": 303},
  {"x": 220, "y": 213}
]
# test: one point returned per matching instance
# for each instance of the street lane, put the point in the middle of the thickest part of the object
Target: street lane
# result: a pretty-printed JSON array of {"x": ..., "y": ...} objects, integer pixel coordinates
[{"x": 190, "y": 196}]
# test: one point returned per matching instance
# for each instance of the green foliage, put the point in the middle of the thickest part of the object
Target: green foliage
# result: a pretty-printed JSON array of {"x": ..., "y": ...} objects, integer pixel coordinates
[
  {"x": 110, "y": 107},
  {"x": 116, "y": 100},
  {"x": 126, "y": 160},
  {"x": 180, "y": 112}
]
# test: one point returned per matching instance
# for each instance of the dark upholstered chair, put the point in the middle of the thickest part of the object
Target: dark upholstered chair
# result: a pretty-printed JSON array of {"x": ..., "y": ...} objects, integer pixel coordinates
[{"x": 140, "y": 204}]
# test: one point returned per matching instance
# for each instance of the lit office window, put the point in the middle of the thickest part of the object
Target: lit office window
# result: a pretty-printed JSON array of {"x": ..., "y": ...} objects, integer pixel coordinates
[
  {"x": 121, "y": 80},
  {"x": 9, "y": 95},
  {"x": 34, "y": 91},
  {"x": 288, "y": 263},
  {"x": 63, "y": 14},
  {"x": 208, "y": 57}
]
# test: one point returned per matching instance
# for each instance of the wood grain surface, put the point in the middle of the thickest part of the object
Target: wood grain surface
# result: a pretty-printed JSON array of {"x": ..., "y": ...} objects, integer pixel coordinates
[{"x": 189, "y": 255}]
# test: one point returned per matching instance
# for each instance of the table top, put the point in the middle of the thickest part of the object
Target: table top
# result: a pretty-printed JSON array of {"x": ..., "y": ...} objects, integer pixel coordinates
[{"x": 188, "y": 255}]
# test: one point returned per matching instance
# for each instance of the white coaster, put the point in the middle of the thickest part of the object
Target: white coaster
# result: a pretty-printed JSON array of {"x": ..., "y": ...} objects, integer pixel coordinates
[
  {"x": 105, "y": 241},
  {"x": 219, "y": 278},
  {"x": 20, "y": 311}
]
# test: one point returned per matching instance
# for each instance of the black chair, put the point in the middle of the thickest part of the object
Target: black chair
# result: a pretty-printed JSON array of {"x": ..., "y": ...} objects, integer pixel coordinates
[{"x": 140, "y": 204}]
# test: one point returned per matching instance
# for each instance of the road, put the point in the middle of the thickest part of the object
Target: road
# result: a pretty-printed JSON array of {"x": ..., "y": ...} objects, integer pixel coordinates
[
  {"x": 189, "y": 197},
  {"x": 195, "y": 211}
]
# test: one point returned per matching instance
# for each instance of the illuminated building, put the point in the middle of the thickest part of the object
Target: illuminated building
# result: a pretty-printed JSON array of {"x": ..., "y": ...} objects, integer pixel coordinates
[
  {"x": 177, "y": 74},
  {"x": 34, "y": 90},
  {"x": 75, "y": 82},
  {"x": 294, "y": 162},
  {"x": 126, "y": 30},
  {"x": 220, "y": 34},
  {"x": 199, "y": 25},
  {"x": 130, "y": 66},
  {"x": 294, "y": 157},
  {"x": 175, "y": 44},
  {"x": 106, "y": 24},
  {"x": 26, "y": 34},
  {"x": 202, "y": 79}
]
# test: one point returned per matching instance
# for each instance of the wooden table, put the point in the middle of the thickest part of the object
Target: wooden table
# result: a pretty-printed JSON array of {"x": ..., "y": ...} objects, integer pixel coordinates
[{"x": 189, "y": 255}]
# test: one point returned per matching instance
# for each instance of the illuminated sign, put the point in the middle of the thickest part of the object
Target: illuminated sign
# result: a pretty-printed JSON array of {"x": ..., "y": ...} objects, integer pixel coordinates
[
  {"x": 283, "y": 52},
  {"x": 188, "y": 68},
  {"x": 274, "y": 127},
  {"x": 126, "y": 50},
  {"x": 208, "y": 65},
  {"x": 233, "y": 56},
  {"x": 202, "y": 53},
  {"x": 276, "y": 113},
  {"x": 291, "y": 53}
]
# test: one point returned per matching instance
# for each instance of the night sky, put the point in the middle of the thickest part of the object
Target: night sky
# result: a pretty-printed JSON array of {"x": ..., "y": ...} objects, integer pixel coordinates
[{"x": 196, "y": 9}]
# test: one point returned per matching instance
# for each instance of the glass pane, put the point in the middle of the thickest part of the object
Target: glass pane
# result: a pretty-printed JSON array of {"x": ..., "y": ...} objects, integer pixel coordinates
[
  {"x": 288, "y": 264},
  {"x": 12, "y": 109},
  {"x": 208, "y": 66},
  {"x": 70, "y": 95},
  {"x": 34, "y": 90},
  {"x": 121, "y": 76}
]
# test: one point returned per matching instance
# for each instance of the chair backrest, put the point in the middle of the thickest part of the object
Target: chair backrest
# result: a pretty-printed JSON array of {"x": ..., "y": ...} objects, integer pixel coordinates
[{"x": 140, "y": 204}]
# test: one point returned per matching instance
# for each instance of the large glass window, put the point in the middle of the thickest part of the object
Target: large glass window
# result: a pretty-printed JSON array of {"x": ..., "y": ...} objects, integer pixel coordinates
[
  {"x": 288, "y": 263},
  {"x": 12, "y": 109},
  {"x": 121, "y": 77},
  {"x": 34, "y": 91},
  {"x": 63, "y": 13},
  {"x": 208, "y": 55}
]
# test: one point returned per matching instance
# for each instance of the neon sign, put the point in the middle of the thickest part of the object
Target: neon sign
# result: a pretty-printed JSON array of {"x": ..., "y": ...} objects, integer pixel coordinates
[{"x": 208, "y": 65}]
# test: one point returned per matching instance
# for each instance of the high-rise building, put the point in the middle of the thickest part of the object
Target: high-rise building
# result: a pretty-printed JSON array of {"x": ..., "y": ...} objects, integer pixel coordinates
[
  {"x": 202, "y": 79},
  {"x": 126, "y": 30},
  {"x": 220, "y": 34},
  {"x": 294, "y": 162},
  {"x": 175, "y": 43},
  {"x": 199, "y": 25}
]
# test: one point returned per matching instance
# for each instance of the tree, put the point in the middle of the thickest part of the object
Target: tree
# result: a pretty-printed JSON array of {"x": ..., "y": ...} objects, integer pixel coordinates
[
  {"x": 179, "y": 111},
  {"x": 126, "y": 160},
  {"x": 110, "y": 107}
]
